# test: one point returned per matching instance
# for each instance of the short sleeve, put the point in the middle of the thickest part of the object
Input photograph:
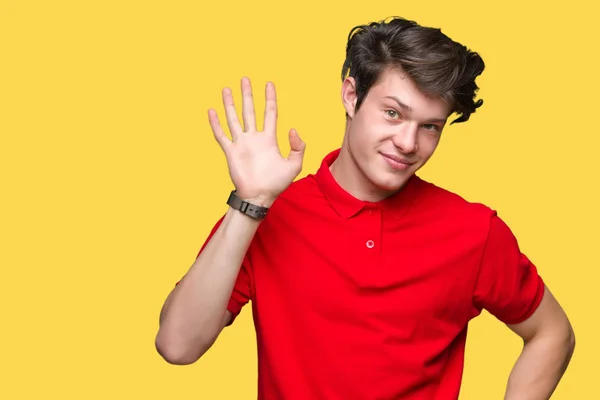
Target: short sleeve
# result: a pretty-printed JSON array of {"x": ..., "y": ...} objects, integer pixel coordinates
[
  {"x": 508, "y": 284},
  {"x": 241, "y": 291}
]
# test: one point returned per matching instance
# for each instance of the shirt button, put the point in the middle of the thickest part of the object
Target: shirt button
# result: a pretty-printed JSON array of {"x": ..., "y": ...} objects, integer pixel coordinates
[{"x": 370, "y": 244}]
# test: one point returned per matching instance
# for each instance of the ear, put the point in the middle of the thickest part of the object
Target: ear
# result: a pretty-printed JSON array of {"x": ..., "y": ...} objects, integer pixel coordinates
[{"x": 349, "y": 95}]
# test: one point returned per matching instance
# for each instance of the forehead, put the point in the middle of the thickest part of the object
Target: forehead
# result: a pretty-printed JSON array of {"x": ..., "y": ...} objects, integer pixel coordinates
[{"x": 395, "y": 83}]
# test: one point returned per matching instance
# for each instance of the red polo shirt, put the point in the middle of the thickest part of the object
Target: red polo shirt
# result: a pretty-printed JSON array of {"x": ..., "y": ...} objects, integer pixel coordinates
[{"x": 362, "y": 300}]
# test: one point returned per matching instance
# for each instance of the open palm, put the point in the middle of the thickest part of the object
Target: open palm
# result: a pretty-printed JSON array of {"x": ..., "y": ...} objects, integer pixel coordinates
[{"x": 257, "y": 168}]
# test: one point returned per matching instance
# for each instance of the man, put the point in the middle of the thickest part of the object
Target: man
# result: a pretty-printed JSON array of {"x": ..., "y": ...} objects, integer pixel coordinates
[{"x": 363, "y": 277}]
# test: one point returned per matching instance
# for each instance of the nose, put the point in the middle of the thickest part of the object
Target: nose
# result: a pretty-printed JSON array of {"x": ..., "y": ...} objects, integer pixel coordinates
[{"x": 406, "y": 139}]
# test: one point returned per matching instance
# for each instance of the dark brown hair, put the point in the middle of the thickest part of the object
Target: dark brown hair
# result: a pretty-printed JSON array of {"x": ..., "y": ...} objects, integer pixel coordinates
[{"x": 436, "y": 64}]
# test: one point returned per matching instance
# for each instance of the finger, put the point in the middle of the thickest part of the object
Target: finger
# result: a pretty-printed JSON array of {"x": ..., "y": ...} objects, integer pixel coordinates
[
  {"x": 218, "y": 132},
  {"x": 248, "y": 105},
  {"x": 232, "y": 119},
  {"x": 270, "y": 109},
  {"x": 297, "y": 149}
]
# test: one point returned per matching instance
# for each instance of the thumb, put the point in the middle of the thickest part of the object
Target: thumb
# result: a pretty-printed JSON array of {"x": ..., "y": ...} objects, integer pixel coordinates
[{"x": 297, "y": 147}]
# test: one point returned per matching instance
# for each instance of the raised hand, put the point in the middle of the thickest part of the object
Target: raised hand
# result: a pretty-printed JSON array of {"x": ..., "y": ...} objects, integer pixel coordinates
[{"x": 257, "y": 168}]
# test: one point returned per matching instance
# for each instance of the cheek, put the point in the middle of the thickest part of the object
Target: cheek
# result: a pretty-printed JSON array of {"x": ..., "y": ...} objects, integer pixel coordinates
[
  {"x": 371, "y": 131},
  {"x": 361, "y": 134},
  {"x": 361, "y": 144},
  {"x": 427, "y": 146}
]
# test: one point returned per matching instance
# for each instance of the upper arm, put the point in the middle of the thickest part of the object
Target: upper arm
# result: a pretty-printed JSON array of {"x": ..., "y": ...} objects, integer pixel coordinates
[
  {"x": 241, "y": 291},
  {"x": 227, "y": 317},
  {"x": 508, "y": 285},
  {"x": 549, "y": 319}
]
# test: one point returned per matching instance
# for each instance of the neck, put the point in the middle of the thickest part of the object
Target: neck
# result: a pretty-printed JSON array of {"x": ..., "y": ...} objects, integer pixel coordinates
[{"x": 350, "y": 177}]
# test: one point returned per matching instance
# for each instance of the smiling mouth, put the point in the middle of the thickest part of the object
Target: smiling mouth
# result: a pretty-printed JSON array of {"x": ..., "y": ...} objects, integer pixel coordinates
[{"x": 397, "y": 162}]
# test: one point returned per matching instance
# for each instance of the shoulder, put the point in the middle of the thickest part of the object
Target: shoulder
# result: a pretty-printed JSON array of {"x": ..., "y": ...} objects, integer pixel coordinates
[
  {"x": 443, "y": 206},
  {"x": 440, "y": 199},
  {"x": 296, "y": 204},
  {"x": 300, "y": 193}
]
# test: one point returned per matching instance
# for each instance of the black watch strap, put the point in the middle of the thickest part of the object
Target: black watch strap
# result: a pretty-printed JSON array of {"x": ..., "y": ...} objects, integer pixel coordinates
[{"x": 252, "y": 210}]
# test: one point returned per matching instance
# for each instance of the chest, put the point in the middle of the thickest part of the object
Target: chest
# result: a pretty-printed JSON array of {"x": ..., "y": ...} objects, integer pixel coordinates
[{"x": 416, "y": 274}]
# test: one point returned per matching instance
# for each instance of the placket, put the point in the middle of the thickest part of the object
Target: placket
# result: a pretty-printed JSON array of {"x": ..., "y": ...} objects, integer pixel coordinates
[
  {"x": 370, "y": 237},
  {"x": 375, "y": 233}
]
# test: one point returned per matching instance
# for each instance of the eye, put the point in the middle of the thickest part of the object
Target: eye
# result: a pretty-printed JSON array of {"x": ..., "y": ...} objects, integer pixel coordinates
[
  {"x": 431, "y": 127},
  {"x": 392, "y": 113}
]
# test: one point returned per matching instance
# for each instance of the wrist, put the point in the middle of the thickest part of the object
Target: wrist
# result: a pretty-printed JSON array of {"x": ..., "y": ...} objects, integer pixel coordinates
[
  {"x": 261, "y": 201},
  {"x": 255, "y": 207}
]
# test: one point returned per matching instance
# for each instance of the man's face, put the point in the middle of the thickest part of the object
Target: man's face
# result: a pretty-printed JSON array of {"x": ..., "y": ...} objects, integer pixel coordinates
[{"x": 394, "y": 133}]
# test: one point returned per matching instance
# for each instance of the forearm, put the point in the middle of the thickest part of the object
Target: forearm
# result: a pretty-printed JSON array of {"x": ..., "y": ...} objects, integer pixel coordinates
[
  {"x": 193, "y": 315},
  {"x": 540, "y": 367}
]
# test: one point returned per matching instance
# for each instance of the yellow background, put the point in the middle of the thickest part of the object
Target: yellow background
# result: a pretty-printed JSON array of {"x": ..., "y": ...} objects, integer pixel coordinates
[{"x": 111, "y": 179}]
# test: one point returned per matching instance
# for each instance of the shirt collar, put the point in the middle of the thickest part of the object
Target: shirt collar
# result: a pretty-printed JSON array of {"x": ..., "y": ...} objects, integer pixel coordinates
[{"x": 347, "y": 205}]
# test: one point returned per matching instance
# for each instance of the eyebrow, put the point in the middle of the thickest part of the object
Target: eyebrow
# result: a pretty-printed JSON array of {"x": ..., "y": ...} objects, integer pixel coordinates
[{"x": 408, "y": 108}]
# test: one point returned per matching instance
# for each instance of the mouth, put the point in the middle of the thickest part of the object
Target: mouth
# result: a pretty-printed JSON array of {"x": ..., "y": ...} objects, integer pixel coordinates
[{"x": 396, "y": 162}]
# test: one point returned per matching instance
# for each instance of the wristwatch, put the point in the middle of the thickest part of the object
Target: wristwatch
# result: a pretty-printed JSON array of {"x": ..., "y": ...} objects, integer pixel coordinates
[{"x": 252, "y": 210}]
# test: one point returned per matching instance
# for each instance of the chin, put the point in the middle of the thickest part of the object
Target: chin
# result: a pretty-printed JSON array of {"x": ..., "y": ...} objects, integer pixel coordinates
[
  {"x": 385, "y": 180},
  {"x": 394, "y": 183}
]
